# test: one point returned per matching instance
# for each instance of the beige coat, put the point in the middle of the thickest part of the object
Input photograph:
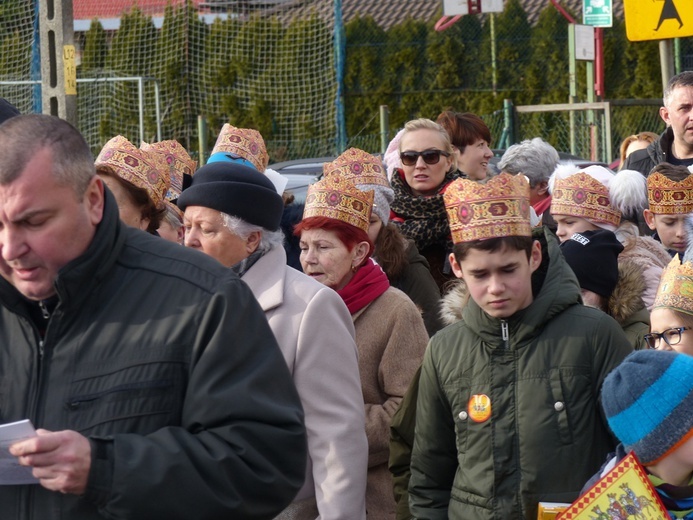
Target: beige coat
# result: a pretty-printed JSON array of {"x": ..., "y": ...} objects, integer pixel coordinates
[
  {"x": 391, "y": 338},
  {"x": 315, "y": 333}
]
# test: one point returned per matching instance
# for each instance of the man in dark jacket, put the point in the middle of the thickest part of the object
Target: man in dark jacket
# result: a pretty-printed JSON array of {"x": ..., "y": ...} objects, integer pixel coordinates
[
  {"x": 157, "y": 384},
  {"x": 675, "y": 145},
  {"x": 508, "y": 406}
]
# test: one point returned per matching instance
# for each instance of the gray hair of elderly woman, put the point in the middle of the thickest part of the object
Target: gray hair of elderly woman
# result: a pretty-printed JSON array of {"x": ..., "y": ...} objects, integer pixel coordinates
[
  {"x": 535, "y": 158},
  {"x": 242, "y": 229}
]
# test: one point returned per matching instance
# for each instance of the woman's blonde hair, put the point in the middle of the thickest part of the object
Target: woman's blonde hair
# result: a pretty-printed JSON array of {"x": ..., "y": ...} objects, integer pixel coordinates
[{"x": 426, "y": 124}]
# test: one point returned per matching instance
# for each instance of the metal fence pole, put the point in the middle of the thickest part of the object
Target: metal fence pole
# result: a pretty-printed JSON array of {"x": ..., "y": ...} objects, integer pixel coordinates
[
  {"x": 140, "y": 100},
  {"x": 384, "y": 126}
]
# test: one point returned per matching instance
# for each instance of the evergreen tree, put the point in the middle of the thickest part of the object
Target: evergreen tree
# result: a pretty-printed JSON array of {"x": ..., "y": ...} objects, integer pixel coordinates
[
  {"x": 405, "y": 70},
  {"x": 176, "y": 65},
  {"x": 95, "y": 49},
  {"x": 364, "y": 86},
  {"x": 130, "y": 55}
]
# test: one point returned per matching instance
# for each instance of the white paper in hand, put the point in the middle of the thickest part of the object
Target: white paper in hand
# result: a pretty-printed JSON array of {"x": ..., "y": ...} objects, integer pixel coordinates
[{"x": 11, "y": 473}]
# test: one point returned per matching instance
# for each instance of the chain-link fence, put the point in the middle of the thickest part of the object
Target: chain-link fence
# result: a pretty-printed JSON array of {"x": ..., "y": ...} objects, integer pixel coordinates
[{"x": 275, "y": 70}]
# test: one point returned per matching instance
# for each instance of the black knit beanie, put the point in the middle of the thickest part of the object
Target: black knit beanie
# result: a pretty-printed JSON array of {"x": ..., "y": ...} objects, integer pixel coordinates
[
  {"x": 593, "y": 257},
  {"x": 236, "y": 190}
]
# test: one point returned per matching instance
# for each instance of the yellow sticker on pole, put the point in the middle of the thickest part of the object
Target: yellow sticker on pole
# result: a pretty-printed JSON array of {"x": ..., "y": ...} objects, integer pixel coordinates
[
  {"x": 658, "y": 19},
  {"x": 70, "y": 70}
]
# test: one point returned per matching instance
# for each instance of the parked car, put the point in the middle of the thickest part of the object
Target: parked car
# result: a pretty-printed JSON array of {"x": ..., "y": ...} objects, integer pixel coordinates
[{"x": 301, "y": 174}]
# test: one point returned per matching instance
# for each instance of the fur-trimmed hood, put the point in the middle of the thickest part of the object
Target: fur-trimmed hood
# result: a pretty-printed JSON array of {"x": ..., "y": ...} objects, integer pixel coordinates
[
  {"x": 626, "y": 299},
  {"x": 455, "y": 299}
]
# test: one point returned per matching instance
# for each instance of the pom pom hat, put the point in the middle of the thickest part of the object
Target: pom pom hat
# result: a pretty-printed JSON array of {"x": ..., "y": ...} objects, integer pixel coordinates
[{"x": 648, "y": 402}]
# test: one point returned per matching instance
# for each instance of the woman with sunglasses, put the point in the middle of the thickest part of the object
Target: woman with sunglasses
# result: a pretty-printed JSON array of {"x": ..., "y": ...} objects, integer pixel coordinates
[{"x": 428, "y": 167}]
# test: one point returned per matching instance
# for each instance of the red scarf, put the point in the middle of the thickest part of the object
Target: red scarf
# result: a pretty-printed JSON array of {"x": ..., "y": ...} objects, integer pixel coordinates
[{"x": 369, "y": 282}]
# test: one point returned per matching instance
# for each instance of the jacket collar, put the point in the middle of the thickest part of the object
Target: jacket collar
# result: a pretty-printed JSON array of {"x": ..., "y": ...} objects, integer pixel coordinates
[
  {"x": 266, "y": 278},
  {"x": 78, "y": 278}
]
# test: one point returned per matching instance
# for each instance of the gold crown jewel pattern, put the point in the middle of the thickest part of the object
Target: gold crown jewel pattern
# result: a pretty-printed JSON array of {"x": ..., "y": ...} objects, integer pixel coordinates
[
  {"x": 244, "y": 142},
  {"x": 358, "y": 167},
  {"x": 581, "y": 195},
  {"x": 675, "y": 289},
  {"x": 499, "y": 208},
  {"x": 336, "y": 197},
  {"x": 178, "y": 161},
  {"x": 145, "y": 169},
  {"x": 668, "y": 197}
]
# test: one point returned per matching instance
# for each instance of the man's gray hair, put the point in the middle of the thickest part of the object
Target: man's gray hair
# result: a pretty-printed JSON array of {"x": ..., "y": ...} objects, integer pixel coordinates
[
  {"x": 685, "y": 79},
  {"x": 240, "y": 228},
  {"x": 534, "y": 158},
  {"x": 22, "y": 137}
]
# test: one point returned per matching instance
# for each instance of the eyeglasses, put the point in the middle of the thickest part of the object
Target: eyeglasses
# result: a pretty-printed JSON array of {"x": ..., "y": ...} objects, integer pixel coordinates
[
  {"x": 670, "y": 336},
  {"x": 429, "y": 157}
]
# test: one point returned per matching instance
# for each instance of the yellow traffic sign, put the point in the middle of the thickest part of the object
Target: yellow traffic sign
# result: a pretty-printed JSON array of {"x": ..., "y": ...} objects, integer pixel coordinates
[{"x": 658, "y": 19}]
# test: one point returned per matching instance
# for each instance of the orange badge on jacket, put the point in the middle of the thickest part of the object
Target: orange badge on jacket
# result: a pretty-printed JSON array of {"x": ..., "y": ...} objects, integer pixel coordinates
[{"x": 479, "y": 408}]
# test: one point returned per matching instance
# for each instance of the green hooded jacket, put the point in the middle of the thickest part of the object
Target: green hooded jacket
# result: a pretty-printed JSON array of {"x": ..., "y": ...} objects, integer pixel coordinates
[{"x": 537, "y": 376}]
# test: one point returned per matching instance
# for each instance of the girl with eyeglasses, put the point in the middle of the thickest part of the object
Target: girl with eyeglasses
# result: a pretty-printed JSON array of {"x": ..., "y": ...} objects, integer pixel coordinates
[
  {"x": 671, "y": 319},
  {"x": 428, "y": 167}
]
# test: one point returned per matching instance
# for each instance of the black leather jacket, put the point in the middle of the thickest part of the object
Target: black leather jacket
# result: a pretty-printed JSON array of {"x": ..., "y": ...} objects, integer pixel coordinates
[{"x": 164, "y": 360}]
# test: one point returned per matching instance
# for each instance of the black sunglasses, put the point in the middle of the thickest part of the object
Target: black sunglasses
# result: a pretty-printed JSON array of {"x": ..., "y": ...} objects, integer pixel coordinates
[{"x": 429, "y": 157}]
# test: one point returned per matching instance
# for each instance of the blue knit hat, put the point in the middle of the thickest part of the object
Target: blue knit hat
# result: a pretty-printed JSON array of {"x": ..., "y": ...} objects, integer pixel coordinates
[{"x": 648, "y": 402}]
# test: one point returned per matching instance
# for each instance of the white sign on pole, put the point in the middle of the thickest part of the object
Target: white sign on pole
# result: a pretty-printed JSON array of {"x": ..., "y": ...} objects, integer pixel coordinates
[
  {"x": 584, "y": 42},
  {"x": 462, "y": 7}
]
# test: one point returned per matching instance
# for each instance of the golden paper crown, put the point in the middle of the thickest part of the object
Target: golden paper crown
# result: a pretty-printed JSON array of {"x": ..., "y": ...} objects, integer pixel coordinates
[
  {"x": 244, "y": 142},
  {"x": 499, "y": 208},
  {"x": 667, "y": 197},
  {"x": 336, "y": 197},
  {"x": 359, "y": 167},
  {"x": 581, "y": 195},
  {"x": 179, "y": 163},
  {"x": 146, "y": 170},
  {"x": 675, "y": 289}
]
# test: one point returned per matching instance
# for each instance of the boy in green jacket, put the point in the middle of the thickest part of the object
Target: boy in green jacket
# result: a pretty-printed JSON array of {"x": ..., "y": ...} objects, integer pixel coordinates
[{"x": 508, "y": 407}]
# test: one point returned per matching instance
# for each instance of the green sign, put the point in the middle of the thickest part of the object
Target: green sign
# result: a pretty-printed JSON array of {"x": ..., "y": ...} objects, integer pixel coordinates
[{"x": 597, "y": 13}]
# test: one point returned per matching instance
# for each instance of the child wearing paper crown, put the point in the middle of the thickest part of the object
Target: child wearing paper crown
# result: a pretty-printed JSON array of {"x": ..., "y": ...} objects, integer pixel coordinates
[
  {"x": 594, "y": 198},
  {"x": 670, "y": 199},
  {"x": 671, "y": 319},
  {"x": 508, "y": 396},
  {"x": 648, "y": 402}
]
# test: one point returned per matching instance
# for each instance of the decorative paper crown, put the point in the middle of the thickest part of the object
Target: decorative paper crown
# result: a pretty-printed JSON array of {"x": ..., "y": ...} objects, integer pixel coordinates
[
  {"x": 499, "y": 208},
  {"x": 675, "y": 289},
  {"x": 336, "y": 197},
  {"x": 581, "y": 195},
  {"x": 359, "y": 167},
  {"x": 146, "y": 170},
  {"x": 667, "y": 197},
  {"x": 244, "y": 142},
  {"x": 179, "y": 163}
]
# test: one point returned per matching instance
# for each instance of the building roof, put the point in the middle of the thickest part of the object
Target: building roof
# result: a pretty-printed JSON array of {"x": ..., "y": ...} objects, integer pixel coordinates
[{"x": 385, "y": 12}]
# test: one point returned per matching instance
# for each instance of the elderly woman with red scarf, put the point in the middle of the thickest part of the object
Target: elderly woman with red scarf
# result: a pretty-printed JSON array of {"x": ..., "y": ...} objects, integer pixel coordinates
[{"x": 390, "y": 333}]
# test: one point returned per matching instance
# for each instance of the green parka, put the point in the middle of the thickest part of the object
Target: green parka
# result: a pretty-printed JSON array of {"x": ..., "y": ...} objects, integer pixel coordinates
[{"x": 545, "y": 435}]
